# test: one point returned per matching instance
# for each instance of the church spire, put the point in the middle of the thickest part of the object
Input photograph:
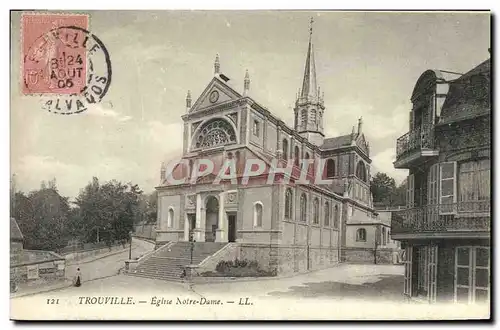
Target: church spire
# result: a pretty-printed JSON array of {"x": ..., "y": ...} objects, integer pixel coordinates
[
  {"x": 309, "y": 85},
  {"x": 309, "y": 107}
]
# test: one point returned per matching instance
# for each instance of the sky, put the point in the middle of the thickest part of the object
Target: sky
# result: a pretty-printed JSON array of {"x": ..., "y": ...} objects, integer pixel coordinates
[{"x": 367, "y": 64}]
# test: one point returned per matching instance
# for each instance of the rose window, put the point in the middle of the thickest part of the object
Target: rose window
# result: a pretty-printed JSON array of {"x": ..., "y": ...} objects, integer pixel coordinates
[{"x": 215, "y": 133}]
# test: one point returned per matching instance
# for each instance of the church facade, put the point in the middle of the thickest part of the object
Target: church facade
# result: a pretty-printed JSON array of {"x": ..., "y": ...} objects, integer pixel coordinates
[{"x": 286, "y": 225}]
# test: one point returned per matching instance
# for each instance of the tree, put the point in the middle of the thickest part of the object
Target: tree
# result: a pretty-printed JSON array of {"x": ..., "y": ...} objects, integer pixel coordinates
[
  {"x": 400, "y": 194},
  {"x": 42, "y": 218},
  {"x": 111, "y": 209},
  {"x": 382, "y": 187},
  {"x": 152, "y": 207},
  {"x": 385, "y": 191}
]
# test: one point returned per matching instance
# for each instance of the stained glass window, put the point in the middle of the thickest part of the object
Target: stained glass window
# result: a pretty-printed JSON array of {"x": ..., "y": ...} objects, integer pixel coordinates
[
  {"x": 214, "y": 133},
  {"x": 303, "y": 208}
]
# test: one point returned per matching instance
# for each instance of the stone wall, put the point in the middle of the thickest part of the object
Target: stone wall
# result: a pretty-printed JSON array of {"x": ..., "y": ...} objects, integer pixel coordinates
[
  {"x": 282, "y": 259},
  {"x": 290, "y": 259},
  {"x": 44, "y": 271},
  {"x": 228, "y": 252},
  {"x": 366, "y": 255}
]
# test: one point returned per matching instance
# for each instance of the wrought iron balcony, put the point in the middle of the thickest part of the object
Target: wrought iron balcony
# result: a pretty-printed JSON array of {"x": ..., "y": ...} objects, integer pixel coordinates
[
  {"x": 417, "y": 142},
  {"x": 458, "y": 217}
]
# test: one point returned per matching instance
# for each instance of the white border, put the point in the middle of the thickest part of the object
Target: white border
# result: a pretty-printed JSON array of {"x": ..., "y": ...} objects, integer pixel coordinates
[{"x": 186, "y": 4}]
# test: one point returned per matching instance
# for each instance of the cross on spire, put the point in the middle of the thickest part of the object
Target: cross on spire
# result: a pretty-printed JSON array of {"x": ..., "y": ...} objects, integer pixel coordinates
[{"x": 311, "y": 26}]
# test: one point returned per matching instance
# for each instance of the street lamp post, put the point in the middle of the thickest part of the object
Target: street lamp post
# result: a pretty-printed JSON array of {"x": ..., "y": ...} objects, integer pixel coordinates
[
  {"x": 191, "y": 240},
  {"x": 130, "y": 247}
]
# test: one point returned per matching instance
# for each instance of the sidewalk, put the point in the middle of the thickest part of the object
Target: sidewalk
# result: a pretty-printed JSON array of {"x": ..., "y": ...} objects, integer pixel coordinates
[{"x": 92, "y": 268}]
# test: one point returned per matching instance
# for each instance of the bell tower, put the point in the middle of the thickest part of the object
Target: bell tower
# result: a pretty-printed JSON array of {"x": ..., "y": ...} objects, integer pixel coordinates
[{"x": 309, "y": 106}]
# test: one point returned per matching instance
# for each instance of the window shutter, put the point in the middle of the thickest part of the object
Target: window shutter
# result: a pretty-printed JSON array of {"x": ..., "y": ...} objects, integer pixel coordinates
[
  {"x": 431, "y": 273},
  {"x": 410, "y": 191},
  {"x": 408, "y": 270},
  {"x": 433, "y": 190},
  {"x": 448, "y": 187}
]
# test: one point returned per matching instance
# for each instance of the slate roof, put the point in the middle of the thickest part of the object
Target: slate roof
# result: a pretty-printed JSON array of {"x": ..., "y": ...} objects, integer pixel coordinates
[
  {"x": 337, "y": 142},
  {"x": 469, "y": 96},
  {"x": 15, "y": 232}
]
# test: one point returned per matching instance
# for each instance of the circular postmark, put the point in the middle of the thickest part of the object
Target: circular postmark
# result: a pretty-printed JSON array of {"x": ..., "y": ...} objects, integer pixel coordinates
[{"x": 69, "y": 67}]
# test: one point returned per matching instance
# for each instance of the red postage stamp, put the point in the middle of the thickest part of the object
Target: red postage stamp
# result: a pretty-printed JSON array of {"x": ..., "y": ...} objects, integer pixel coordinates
[{"x": 54, "y": 53}]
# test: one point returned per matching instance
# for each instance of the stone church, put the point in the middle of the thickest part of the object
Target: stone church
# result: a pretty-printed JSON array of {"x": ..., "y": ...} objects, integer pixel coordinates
[{"x": 286, "y": 225}]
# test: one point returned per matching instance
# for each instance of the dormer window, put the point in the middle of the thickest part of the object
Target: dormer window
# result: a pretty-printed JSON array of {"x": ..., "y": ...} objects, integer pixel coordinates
[{"x": 256, "y": 128}]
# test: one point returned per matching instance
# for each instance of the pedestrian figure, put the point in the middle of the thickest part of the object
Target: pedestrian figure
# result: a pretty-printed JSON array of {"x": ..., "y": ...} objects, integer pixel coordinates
[{"x": 78, "y": 278}]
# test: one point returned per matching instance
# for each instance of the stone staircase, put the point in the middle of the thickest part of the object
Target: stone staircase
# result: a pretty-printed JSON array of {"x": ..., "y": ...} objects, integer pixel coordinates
[{"x": 169, "y": 261}]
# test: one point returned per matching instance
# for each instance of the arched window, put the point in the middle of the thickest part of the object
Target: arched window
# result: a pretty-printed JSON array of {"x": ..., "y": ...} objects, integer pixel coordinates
[
  {"x": 170, "y": 218},
  {"x": 296, "y": 156},
  {"x": 285, "y": 149},
  {"x": 256, "y": 128},
  {"x": 216, "y": 132},
  {"x": 313, "y": 116},
  {"x": 306, "y": 156},
  {"x": 336, "y": 217},
  {"x": 316, "y": 211},
  {"x": 304, "y": 118},
  {"x": 388, "y": 236},
  {"x": 327, "y": 214},
  {"x": 288, "y": 203},
  {"x": 361, "y": 171},
  {"x": 257, "y": 214},
  {"x": 303, "y": 208},
  {"x": 361, "y": 235},
  {"x": 330, "y": 168},
  {"x": 384, "y": 239}
]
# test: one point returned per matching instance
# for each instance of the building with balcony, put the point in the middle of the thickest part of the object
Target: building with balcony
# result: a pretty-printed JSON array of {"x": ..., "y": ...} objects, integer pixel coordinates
[{"x": 445, "y": 229}]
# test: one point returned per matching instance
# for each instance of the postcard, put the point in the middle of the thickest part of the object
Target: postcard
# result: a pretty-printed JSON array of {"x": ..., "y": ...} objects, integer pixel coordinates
[{"x": 250, "y": 165}]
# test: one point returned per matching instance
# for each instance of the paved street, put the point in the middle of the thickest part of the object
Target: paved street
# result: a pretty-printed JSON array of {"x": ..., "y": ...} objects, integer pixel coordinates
[
  {"x": 93, "y": 268},
  {"x": 346, "y": 281}
]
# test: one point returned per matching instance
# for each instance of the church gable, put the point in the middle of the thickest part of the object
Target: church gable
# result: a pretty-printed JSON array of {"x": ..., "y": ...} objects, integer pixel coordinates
[
  {"x": 216, "y": 92},
  {"x": 363, "y": 144}
]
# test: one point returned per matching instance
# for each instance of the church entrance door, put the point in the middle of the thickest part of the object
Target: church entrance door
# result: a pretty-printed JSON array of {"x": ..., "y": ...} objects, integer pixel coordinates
[
  {"x": 231, "y": 227},
  {"x": 212, "y": 218}
]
